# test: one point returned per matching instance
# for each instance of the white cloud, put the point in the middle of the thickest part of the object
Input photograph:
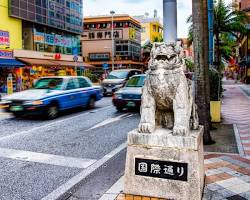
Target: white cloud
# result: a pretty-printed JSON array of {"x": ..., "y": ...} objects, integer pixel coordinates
[{"x": 139, "y": 7}]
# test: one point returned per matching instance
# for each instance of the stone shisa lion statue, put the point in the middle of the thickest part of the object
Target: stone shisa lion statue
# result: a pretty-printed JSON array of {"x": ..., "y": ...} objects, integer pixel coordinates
[{"x": 167, "y": 98}]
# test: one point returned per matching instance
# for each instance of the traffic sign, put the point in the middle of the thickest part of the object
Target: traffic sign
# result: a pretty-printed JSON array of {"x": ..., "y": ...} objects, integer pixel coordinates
[
  {"x": 105, "y": 66},
  {"x": 75, "y": 58}
]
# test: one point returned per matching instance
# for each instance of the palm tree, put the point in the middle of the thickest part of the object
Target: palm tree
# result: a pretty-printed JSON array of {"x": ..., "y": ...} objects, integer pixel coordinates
[
  {"x": 200, "y": 41},
  {"x": 226, "y": 21}
]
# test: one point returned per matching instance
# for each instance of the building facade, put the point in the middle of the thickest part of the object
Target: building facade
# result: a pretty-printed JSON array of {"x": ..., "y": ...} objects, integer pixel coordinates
[
  {"x": 49, "y": 25},
  {"x": 244, "y": 51},
  {"x": 97, "y": 41},
  {"x": 10, "y": 39},
  {"x": 39, "y": 38},
  {"x": 152, "y": 29}
]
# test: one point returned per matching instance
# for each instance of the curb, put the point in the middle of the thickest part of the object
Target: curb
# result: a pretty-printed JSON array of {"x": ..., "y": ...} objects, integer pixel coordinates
[{"x": 238, "y": 141}]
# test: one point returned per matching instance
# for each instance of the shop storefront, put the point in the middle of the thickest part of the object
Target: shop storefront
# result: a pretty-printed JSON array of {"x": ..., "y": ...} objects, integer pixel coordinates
[
  {"x": 41, "y": 64},
  {"x": 10, "y": 70}
]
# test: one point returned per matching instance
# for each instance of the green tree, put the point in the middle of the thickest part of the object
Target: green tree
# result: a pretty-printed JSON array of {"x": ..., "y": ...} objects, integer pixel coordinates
[
  {"x": 158, "y": 39},
  {"x": 227, "y": 21}
]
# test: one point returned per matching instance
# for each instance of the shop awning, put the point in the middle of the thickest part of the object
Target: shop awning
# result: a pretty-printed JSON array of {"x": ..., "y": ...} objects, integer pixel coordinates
[
  {"x": 44, "y": 62},
  {"x": 72, "y": 64},
  {"x": 10, "y": 63},
  {"x": 32, "y": 61}
]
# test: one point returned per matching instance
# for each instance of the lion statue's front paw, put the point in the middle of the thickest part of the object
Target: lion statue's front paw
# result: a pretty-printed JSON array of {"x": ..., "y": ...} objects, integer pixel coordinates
[
  {"x": 146, "y": 128},
  {"x": 180, "y": 131}
]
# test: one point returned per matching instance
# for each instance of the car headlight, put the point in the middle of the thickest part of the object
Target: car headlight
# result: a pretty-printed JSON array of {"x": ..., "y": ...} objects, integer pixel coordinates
[
  {"x": 4, "y": 102},
  {"x": 35, "y": 103}
]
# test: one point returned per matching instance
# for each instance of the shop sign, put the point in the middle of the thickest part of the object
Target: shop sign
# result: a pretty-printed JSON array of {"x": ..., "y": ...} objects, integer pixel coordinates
[
  {"x": 57, "y": 56},
  {"x": 48, "y": 55},
  {"x": 161, "y": 169},
  {"x": 32, "y": 71},
  {"x": 9, "y": 84},
  {"x": 4, "y": 38},
  {"x": 134, "y": 34},
  {"x": 58, "y": 40},
  {"x": 39, "y": 37},
  {"x": 99, "y": 56},
  {"x": 6, "y": 54},
  {"x": 49, "y": 39},
  {"x": 103, "y": 35},
  {"x": 54, "y": 40}
]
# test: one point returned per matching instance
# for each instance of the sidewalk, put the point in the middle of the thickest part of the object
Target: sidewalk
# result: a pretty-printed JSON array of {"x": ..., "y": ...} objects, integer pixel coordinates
[
  {"x": 236, "y": 110},
  {"x": 227, "y": 177}
]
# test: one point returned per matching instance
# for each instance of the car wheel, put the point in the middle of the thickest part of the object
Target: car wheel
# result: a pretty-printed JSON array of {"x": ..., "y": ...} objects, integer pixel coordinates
[
  {"x": 52, "y": 111},
  {"x": 119, "y": 108},
  {"x": 91, "y": 103}
]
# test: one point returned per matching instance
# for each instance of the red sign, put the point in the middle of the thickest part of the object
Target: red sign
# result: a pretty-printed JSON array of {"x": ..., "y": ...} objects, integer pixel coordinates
[{"x": 57, "y": 56}]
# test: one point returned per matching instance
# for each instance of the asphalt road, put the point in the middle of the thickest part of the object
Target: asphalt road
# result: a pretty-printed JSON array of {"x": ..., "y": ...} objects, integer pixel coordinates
[{"x": 39, "y": 157}]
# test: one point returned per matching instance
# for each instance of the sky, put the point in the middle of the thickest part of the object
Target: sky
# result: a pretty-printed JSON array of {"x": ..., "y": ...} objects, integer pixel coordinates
[{"x": 140, "y": 7}]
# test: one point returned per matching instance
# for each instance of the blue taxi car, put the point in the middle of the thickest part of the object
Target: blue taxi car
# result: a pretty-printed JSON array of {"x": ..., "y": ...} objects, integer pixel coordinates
[{"x": 50, "y": 95}]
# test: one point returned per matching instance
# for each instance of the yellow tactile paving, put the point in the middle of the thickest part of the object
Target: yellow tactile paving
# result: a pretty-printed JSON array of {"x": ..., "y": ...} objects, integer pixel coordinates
[{"x": 135, "y": 197}]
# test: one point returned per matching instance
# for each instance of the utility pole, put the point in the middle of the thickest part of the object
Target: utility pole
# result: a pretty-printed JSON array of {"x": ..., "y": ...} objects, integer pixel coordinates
[
  {"x": 112, "y": 38},
  {"x": 170, "y": 20},
  {"x": 201, "y": 62}
]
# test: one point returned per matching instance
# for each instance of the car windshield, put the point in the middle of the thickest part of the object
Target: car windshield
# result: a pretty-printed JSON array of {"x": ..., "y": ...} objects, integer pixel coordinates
[
  {"x": 136, "y": 81},
  {"x": 118, "y": 75},
  {"x": 49, "y": 83}
]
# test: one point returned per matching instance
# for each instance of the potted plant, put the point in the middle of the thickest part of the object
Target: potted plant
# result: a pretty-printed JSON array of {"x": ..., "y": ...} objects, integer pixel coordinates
[{"x": 215, "y": 79}]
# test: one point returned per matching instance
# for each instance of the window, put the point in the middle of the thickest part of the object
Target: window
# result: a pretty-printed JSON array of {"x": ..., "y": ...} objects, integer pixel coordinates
[
  {"x": 71, "y": 85},
  {"x": 83, "y": 83},
  {"x": 154, "y": 28},
  {"x": 49, "y": 83}
]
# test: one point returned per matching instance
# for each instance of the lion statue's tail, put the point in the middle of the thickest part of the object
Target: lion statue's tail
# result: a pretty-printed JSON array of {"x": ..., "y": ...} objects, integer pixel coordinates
[{"x": 194, "y": 119}]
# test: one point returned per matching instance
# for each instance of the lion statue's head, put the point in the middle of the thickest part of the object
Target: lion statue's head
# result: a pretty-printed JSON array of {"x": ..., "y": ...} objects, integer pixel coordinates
[{"x": 166, "y": 56}]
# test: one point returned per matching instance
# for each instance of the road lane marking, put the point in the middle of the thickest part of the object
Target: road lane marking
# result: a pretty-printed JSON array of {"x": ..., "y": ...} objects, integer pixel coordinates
[
  {"x": 63, "y": 189},
  {"x": 109, "y": 121},
  {"x": 43, "y": 158},
  {"x": 48, "y": 125}
]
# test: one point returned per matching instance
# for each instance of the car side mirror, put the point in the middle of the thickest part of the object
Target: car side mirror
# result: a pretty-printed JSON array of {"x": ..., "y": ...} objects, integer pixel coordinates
[{"x": 34, "y": 82}]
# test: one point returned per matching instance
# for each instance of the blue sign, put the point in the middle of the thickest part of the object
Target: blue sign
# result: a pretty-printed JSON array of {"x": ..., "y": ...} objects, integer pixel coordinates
[
  {"x": 105, "y": 66},
  {"x": 75, "y": 51}
]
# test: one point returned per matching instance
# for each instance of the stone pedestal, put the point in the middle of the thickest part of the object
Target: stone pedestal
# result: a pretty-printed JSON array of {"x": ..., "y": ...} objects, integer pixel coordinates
[{"x": 167, "y": 166}]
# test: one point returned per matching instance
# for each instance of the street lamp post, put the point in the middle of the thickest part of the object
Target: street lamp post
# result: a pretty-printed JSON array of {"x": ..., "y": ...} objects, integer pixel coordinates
[{"x": 112, "y": 38}]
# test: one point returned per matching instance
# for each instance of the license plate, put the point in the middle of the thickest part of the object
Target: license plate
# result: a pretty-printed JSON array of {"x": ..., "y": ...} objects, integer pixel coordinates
[
  {"x": 16, "y": 108},
  {"x": 130, "y": 104},
  {"x": 109, "y": 89}
]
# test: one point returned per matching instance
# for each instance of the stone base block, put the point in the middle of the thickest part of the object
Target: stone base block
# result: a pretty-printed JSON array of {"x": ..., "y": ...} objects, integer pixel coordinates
[{"x": 163, "y": 146}]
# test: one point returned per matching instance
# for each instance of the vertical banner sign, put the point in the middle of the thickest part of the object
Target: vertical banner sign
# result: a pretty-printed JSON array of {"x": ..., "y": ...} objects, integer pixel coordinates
[
  {"x": 9, "y": 84},
  {"x": 4, "y": 38}
]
